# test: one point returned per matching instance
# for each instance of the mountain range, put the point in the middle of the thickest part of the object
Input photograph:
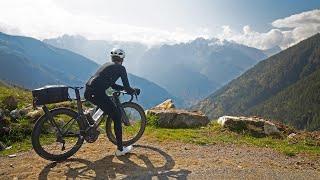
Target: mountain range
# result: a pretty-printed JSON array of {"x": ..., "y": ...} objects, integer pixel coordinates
[
  {"x": 284, "y": 87},
  {"x": 190, "y": 71},
  {"x": 98, "y": 50},
  {"x": 31, "y": 63}
]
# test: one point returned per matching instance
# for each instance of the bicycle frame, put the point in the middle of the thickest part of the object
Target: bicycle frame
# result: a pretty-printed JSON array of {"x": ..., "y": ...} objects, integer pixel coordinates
[
  {"x": 81, "y": 113},
  {"x": 115, "y": 95}
]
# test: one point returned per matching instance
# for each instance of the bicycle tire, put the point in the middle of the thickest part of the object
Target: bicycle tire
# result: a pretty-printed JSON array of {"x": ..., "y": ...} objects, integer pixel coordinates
[
  {"x": 35, "y": 136},
  {"x": 112, "y": 137}
]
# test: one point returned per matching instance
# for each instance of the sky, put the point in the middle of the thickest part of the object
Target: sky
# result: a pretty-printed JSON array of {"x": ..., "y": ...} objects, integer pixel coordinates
[{"x": 257, "y": 23}]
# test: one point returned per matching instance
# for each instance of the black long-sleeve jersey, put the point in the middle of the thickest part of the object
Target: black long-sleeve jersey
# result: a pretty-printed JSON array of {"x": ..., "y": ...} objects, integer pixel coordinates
[{"x": 107, "y": 75}]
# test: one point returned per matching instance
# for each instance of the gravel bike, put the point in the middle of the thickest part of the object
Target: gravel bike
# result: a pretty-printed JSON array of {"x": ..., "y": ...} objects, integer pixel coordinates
[{"x": 60, "y": 132}]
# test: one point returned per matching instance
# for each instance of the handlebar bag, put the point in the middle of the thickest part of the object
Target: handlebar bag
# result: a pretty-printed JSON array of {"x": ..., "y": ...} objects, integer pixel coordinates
[{"x": 50, "y": 94}]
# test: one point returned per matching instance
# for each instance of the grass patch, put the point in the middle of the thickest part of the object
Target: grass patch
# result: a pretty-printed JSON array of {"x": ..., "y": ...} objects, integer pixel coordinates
[
  {"x": 24, "y": 97},
  {"x": 21, "y": 146},
  {"x": 213, "y": 134}
]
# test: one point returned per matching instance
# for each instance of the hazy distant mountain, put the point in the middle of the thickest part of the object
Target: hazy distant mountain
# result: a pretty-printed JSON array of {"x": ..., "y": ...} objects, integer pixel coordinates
[
  {"x": 190, "y": 71},
  {"x": 272, "y": 51},
  {"x": 195, "y": 69},
  {"x": 98, "y": 50},
  {"x": 283, "y": 87},
  {"x": 31, "y": 63}
]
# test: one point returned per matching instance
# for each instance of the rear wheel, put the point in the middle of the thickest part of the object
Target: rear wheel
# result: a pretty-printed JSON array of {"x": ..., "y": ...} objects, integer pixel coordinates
[
  {"x": 133, "y": 132},
  {"x": 59, "y": 138}
]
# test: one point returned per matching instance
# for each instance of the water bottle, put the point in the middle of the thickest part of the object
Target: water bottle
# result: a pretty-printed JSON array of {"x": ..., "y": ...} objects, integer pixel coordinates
[{"x": 97, "y": 115}]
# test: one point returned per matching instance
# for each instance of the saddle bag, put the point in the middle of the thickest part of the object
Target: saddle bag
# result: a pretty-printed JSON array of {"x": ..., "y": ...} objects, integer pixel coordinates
[{"x": 50, "y": 94}]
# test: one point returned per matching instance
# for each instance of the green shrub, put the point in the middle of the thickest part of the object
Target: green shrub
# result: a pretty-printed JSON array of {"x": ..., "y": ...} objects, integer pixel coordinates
[
  {"x": 152, "y": 120},
  {"x": 18, "y": 131}
]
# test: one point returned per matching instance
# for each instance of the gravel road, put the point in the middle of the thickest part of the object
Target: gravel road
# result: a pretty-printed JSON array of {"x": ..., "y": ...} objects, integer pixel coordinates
[{"x": 170, "y": 160}]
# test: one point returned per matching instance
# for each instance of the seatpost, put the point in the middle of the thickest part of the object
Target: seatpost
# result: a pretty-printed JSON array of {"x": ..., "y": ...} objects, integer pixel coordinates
[{"x": 79, "y": 103}]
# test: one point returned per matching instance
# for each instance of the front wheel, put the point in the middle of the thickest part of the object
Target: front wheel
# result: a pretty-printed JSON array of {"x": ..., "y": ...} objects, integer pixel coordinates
[{"x": 133, "y": 132}]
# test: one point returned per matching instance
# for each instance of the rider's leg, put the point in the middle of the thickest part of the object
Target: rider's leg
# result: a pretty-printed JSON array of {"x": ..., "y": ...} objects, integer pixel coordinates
[{"x": 108, "y": 106}]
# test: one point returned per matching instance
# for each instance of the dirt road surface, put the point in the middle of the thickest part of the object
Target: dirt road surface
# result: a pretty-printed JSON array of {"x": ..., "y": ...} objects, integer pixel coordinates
[{"x": 164, "y": 160}]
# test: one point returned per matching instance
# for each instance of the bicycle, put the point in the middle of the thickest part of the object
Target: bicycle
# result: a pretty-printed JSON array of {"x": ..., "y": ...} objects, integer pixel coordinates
[{"x": 60, "y": 132}]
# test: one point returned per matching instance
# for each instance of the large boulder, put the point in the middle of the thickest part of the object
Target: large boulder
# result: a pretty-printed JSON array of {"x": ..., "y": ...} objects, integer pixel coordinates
[
  {"x": 10, "y": 102},
  {"x": 255, "y": 126},
  {"x": 167, "y": 104},
  {"x": 169, "y": 117},
  {"x": 178, "y": 118}
]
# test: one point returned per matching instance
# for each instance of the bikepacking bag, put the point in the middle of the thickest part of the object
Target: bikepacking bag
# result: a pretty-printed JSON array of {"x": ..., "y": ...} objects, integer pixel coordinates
[{"x": 50, "y": 94}]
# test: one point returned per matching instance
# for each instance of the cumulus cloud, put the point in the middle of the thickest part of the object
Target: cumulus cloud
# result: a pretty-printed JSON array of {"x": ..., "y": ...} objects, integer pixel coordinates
[{"x": 286, "y": 32}]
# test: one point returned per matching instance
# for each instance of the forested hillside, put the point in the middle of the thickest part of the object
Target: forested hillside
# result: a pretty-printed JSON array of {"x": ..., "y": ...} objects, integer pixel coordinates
[
  {"x": 297, "y": 105},
  {"x": 280, "y": 79}
]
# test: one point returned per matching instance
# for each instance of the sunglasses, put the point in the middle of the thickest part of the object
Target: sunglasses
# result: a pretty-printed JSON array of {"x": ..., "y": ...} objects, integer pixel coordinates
[{"x": 116, "y": 53}]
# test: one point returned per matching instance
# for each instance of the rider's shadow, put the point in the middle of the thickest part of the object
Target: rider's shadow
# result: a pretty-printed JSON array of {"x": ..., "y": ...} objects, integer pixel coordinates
[{"x": 125, "y": 168}]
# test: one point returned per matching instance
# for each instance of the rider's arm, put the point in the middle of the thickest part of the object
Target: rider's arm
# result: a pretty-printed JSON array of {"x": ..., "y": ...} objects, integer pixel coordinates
[
  {"x": 125, "y": 81},
  {"x": 117, "y": 87}
]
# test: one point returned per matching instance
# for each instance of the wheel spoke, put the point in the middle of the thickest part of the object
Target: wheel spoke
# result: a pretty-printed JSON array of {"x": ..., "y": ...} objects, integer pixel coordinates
[
  {"x": 59, "y": 135},
  {"x": 67, "y": 130}
]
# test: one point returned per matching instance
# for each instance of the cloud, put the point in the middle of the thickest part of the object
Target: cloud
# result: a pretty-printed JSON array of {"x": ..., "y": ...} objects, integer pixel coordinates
[
  {"x": 286, "y": 32},
  {"x": 298, "y": 20},
  {"x": 45, "y": 19},
  {"x": 9, "y": 29}
]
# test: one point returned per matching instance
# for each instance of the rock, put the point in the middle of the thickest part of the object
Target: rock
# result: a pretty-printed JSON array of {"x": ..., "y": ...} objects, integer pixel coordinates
[
  {"x": 12, "y": 155},
  {"x": 270, "y": 128},
  {"x": 169, "y": 117},
  {"x": 15, "y": 114},
  {"x": 255, "y": 126},
  {"x": 2, "y": 146},
  {"x": 6, "y": 112},
  {"x": 167, "y": 104},
  {"x": 292, "y": 135},
  {"x": 10, "y": 102},
  {"x": 177, "y": 118},
  {"x": 5, "y": 130},
  {"x": 25, "y": 111},
  {"x": 34, "y": 115}
]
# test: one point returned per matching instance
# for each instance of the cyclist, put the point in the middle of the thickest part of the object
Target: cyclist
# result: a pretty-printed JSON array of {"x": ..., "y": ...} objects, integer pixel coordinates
[{"x": 96, "y": 87}]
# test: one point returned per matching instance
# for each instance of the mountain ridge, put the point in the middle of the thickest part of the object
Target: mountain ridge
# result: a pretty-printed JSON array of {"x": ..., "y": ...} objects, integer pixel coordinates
[
  {"x": 264, "y": 80},
  {"x": 187, "y": 70},
  {"x": 30, "y": 63}
]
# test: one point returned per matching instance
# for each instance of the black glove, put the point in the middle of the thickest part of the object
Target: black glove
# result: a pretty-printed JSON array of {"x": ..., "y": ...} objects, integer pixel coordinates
[
  {"x": 130, "y": 91},
  {"x": 137, "y": 91},
  {"x": 134, "y": 91}
]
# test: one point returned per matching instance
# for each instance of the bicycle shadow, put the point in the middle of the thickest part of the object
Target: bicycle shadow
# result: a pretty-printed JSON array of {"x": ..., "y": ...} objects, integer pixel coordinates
[{"x": 125, "y": 168}]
